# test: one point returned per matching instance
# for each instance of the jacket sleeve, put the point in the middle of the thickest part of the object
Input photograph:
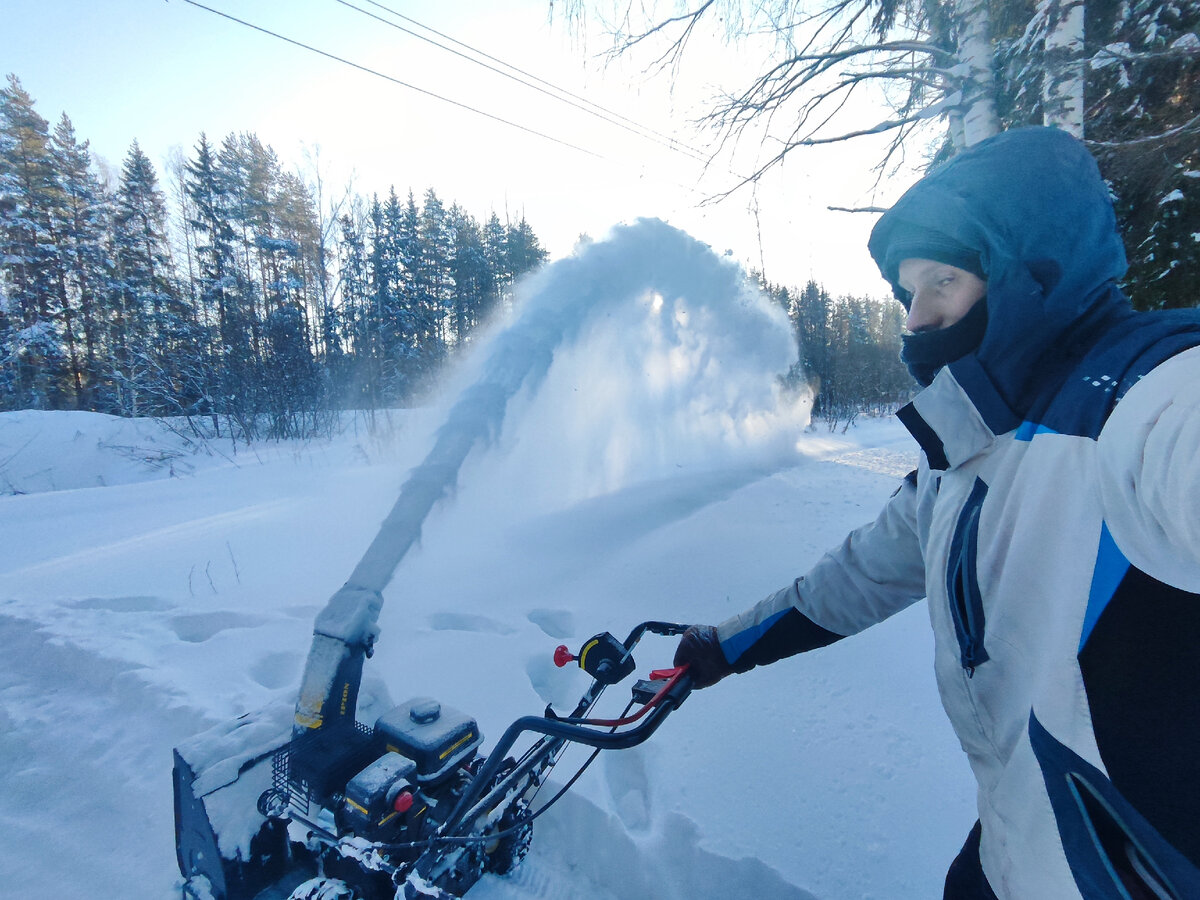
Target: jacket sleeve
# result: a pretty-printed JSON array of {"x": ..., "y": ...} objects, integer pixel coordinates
[
  {"x": 877, "y": 571},
  {"x": 1149, "y": 458}
]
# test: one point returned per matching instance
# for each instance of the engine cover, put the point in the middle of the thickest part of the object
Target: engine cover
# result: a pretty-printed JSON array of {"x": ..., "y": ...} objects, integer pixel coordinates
[
  {"x": 370, "y": 794},
  {"x": 434, "y": 737}
]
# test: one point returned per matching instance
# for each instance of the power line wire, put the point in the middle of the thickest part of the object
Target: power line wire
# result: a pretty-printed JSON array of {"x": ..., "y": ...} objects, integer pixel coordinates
[
  {"x": 263, "y": 30},
  {"x": 588, "y": 106},
  {"x": 397, "y": 81}
]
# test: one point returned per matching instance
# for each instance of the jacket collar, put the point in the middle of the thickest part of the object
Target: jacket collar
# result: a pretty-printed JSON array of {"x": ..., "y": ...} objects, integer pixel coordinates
[{"x": 958, "y": 416}]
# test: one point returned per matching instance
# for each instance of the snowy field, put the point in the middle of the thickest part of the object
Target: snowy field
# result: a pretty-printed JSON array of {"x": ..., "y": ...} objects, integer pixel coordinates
[{"x": 152, "y": 586}]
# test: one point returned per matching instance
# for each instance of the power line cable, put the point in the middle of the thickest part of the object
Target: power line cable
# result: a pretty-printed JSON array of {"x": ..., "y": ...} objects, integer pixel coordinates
[
  {"x": 534, "y": 82},
  {"x": 397, "y": 81},
  {"x": 263, "y": 30}
]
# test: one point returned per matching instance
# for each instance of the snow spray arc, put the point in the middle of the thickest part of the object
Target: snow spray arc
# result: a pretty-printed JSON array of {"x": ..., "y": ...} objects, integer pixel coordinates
[
  {"x": 672, "y": 371},
  {"x": 695, "y": 297}
]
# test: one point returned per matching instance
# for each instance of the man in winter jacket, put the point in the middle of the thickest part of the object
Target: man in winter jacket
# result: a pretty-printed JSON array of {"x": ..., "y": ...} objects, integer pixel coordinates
[{"x": 1053, "y": 525}]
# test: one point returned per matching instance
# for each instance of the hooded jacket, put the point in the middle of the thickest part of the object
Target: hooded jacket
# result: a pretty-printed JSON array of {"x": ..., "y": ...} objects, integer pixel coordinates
[{"x": 1054, "y": 526}]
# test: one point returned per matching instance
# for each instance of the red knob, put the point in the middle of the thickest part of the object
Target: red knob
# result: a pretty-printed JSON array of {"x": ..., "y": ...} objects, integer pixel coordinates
[
  {"x": 404, "y": 802},
  {"x": 562, "y": 656}
]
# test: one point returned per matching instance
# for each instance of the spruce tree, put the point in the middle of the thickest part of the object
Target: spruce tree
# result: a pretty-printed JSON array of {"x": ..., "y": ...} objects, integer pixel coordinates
[
  {"x": 472, "y": 277},
  {"x": 494, "y": 254},
  {"x": 383, "y": 327},
  {"x": 146, "y": 314},
  {"x": 523, "y": 251},
  {"x": 1145, "y": 102},
  {"x": 354, "y": 289},
  {"x": 434, "y": 295}
]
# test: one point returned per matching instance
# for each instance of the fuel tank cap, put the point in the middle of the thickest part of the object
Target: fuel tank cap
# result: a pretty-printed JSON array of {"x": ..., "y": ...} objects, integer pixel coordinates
[{"x": 425, "y": 712}]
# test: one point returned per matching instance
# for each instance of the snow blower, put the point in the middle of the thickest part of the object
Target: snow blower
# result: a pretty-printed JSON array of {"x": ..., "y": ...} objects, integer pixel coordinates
[
  {"x": 405, "y": 808},
  {"x": 308, "y": 803}
]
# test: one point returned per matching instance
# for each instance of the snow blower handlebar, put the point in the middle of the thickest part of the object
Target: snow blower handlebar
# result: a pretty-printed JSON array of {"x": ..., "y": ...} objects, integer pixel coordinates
[{"x": 660, "y": 695}]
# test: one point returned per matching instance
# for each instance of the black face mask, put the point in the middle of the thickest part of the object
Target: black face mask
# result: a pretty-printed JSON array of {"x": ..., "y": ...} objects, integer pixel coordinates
[{"x": 926, "y": 352}]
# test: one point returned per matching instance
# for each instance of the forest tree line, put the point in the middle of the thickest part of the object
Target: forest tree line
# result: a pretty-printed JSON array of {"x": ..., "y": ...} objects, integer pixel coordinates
[
  {"x": 849, "y": 351},
  {"x": 238, "y": 294},
  {"x": 247, "y": 298}
]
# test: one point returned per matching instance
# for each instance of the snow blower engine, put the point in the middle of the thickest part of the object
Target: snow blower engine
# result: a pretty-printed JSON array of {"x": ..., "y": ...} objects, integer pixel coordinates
[{"x": 403, "y": 808}]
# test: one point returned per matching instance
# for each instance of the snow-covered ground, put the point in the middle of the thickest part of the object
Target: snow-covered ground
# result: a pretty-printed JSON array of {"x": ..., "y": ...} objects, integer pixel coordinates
[{"x": 151, "y": 587}]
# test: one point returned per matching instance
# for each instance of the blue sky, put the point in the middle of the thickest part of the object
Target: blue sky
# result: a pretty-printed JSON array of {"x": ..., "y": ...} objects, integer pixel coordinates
[{"x": 162, "y": 71}]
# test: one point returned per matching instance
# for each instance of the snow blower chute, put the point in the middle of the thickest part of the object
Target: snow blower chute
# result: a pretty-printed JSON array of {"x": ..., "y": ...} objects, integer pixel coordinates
[{"x": 307, "y": 802}]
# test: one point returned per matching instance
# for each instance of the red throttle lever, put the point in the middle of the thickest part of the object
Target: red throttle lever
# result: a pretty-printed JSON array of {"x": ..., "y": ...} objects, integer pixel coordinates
[
  {"x": 562, "y": 656},
  {"x": 665, "y": 674},
  {"x": 661, "y": 679},
  {"x": 603, "y": 657}
]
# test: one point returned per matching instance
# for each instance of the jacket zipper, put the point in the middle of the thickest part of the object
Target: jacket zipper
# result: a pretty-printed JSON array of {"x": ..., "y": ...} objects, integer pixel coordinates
[{"x": 962, "y": 582}]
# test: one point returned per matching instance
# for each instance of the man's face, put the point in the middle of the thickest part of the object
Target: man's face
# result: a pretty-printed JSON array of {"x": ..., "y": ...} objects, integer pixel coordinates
[{"x": 941, "y": 293}]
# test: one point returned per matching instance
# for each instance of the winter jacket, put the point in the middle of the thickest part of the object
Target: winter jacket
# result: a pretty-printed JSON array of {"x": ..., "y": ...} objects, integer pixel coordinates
[{"x": 1054, "y": 526}]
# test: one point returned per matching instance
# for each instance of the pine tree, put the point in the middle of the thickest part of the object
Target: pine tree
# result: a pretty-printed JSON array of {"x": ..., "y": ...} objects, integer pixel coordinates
[
  {"x": 230, "y": 375},
  {"x": 403, "y": 322},
  {"x": 83, "y": 225},
  {"x": 295, "y": 221},
  {"x": 29, "y": 256},
  {"x": 245, "y": 171}
]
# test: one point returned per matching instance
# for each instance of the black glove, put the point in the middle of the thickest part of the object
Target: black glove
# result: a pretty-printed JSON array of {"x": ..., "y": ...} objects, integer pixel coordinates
[{"x": 700, "y": 650}]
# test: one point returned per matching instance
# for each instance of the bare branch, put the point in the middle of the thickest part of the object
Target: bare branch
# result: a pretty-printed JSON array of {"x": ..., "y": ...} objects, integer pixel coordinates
[
  {"x": 670, "y": 56},
  {"x": 1190, "y": 126},
  {"x": 1117, "y": 53}
]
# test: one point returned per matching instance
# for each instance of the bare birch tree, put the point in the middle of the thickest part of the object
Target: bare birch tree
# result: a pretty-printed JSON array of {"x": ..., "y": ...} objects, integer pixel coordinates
[
  {"x": 930, "y": 60},
  {"x": 1063, "y": 64},
  {"x": 1122, "y": 75}
]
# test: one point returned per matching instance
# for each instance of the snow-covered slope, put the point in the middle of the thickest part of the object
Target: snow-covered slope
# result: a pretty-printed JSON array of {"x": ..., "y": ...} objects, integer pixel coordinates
[{"x": 135, "y": 614}]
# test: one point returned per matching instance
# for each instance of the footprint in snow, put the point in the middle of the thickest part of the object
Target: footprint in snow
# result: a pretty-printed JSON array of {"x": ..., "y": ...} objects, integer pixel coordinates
[
  {"x": 628, "y": 786},
  {"x": 558, "y": 687},
  {"x": 555, "y": 623},
  {"x": 466, "y": 622},
  {"x": 124, "y": 604},
  {"x": 277, "y": 670},
  {"x": 200, "y": 627}
]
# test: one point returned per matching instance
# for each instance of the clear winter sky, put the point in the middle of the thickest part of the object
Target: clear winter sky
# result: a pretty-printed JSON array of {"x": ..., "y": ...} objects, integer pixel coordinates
[{"x": 162, "y": 71}]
